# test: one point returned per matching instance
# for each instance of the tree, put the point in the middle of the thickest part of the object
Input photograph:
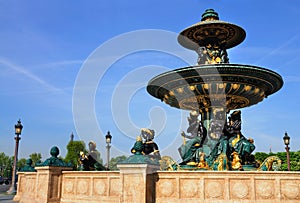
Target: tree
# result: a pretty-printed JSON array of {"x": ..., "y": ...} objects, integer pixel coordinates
[
  {"x": 6, "y": 164},
  {"x": 21, "y": 163},
  {"x": 36, "y": 158},
  {"x": 74, "y": 148},
  {"x": 260, "y": 156},
  {"x": 114, "y": 161},
  {"x": 294, "y": 159}
]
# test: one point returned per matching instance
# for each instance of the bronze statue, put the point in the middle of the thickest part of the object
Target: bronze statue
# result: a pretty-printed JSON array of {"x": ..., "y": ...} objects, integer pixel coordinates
[
  {"x": 138, "y": 147},
  {"x": 91, "y": 160},
  {"x": 28, "y": 166},
  {"x": 150, "y": 147},
  {"x": 191, "y": 149}
]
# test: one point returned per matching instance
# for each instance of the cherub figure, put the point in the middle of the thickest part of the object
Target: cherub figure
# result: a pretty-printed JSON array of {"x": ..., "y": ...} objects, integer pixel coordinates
[
  {"x": 138, "y": 147},
  {"x": 236, "y": 161},
  {"x": 202, "y": 163}
]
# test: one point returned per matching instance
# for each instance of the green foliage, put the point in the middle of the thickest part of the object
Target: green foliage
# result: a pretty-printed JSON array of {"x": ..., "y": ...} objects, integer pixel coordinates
[
  {"x": 6, "y": 164},
  {"x": 21, "y": 163},
  {"x": 261, "y": 156},
  {"x": 74, "y": 148},
  {"x": 114, "y": 161},
  {"x": 36, "y": 158},
  {"x": 294, "y": 159}
]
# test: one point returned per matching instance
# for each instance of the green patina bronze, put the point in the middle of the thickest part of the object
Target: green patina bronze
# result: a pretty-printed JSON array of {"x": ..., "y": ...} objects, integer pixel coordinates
[
  {"x": 28, "y": 167},
  {"x": 140, "y": 159},
  {"x": 213, "y": 88},
  {"x": 54, "y": 160},
  {"x": 210, "y": 13}
]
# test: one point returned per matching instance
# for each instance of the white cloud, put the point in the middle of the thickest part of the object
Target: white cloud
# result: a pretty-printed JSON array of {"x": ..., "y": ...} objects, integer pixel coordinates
[{"x": 29, "y": 75}]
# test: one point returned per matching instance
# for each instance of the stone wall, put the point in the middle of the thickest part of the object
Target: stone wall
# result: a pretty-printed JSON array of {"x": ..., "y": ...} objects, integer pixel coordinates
[
  {"x": 90, "y": 186},
  {"x": 228, "y": 186},
  {"x": 142, "y": 183}
]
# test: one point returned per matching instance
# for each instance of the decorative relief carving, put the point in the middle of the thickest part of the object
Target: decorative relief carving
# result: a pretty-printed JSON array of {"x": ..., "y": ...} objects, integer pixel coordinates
[
  {"x": 100, "y": 186},
  {"x": 166, "y": 188},
  {"x": 83, "y": 187},
  {"x": 189, "y": 188},
  {"x": 265, "y": 189},
  {"x": 68, "y": 186},
  {"x": 290, "y": 189},
  {"x": 214, "y": 189},
  {"x": 239, "y": 189},
  {"x": 115, "y": 187}
]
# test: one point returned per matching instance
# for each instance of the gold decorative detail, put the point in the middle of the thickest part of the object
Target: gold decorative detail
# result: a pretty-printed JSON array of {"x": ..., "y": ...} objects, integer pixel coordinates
[
  {"x": 235, "y": 86},
  {"x": 222, "y": 162},
  {"x": 256, "y": 90},
  {"x": 221, "y": 86},
  {"x": 205, "y": 86},
  {"x": 192, "y": 87},
  {"x": 202, "y": 163},
  {"x": 167, "y": 163},
  {"x": 236, "y": 161},
  {"x": 216, "y": 110},
  {"x": 180, "y": 90},
  {"x": 191, "y": 163},
  {"x": 270, "y": 164},
  {"x": 235, "y": 140},
  {"x": 171, "y": 93},
  {"x": 247, "y": 88},
  {"x": 262, "y": 94}
]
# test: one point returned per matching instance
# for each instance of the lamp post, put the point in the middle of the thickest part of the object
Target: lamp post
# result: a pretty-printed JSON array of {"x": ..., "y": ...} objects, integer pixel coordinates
[
  {"x": 18, "y": 131},
  {"x": 108, "y": 141},
  {"x": 286, "y": 140}
]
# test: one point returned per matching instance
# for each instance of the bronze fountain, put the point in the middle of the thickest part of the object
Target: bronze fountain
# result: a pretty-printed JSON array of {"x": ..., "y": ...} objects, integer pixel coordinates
[{"x": 214, "y": 87}]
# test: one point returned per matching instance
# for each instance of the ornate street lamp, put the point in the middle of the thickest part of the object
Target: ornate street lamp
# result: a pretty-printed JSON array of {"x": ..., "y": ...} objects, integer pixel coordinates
[
  {"x": 286, "y": 140},
  {"x": 18, "y": 131},
  {"x": 108, "y": 141}
]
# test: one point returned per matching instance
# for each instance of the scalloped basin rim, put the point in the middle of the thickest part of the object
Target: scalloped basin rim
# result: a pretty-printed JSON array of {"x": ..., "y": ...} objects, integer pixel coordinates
[{"x": 216, "y": 66}]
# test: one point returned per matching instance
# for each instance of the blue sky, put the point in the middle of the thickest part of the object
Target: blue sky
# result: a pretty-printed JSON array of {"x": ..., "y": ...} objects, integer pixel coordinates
[{"x": 46, "y": 46}]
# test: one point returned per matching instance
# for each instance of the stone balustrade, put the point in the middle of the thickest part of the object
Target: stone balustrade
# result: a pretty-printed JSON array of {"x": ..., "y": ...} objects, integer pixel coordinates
[{"x": 142, "y": 183}]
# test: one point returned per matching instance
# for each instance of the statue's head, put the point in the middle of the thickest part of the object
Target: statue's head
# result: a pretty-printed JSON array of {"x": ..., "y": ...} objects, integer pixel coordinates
[
  {"x": 29, "y": 162},
  {"x": 219, "y": 113},
  {"x": 54, "y": 151},
  {"x": 194, "y": 114},
  {"x": 250, "y": 140},
  {"x": 92, "y": 145},
  {"x": 147, "y": 134},
  {"x": 236, "y": 115},
  {"x": 139, "y": 139}
]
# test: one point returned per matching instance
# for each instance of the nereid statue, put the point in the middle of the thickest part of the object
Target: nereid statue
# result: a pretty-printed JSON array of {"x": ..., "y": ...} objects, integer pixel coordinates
[
  {"x": 191, "y": 149},
  {"x": 148, "y": 146},
  {"x": 232, "y": 149},
  {"x": 91, "y": 160}
]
